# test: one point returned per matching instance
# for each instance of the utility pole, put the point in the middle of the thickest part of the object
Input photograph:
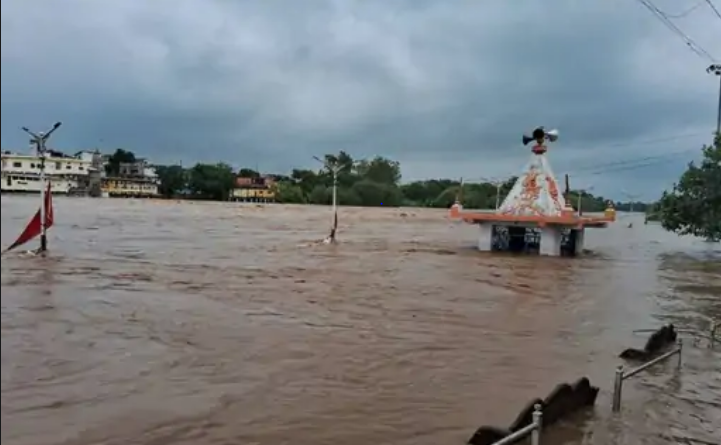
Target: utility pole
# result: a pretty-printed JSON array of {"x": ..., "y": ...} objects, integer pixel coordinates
[
  {"x": 39, "y": 140},
  {"x": 334, "y": 169},
  {"x": 581, "y": 194},
  {"x": 631, "y": 199},
  {"x": 716, "y": 70}
]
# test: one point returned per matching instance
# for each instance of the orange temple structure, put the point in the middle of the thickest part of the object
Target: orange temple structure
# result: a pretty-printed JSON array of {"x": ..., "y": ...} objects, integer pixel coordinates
[{"x": 535, "y": 217}]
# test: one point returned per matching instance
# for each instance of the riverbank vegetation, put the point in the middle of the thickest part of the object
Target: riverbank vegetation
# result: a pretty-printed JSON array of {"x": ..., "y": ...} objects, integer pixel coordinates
[{"x": 693, "y": 205}]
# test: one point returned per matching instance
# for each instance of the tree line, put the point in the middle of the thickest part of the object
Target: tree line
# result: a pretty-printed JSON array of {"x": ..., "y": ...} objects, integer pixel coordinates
[{"x": 362, "y": 182}]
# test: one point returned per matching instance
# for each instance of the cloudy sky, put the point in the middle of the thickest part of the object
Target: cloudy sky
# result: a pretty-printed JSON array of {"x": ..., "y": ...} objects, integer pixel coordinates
[{"x": 445, "y": 87}]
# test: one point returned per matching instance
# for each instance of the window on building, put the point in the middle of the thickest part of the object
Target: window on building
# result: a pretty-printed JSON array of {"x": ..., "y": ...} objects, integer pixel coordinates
[
  {"x": 58, "y": 165},
  {"x": 68, "y": 166},
  {"x": 17, "y": 164}
]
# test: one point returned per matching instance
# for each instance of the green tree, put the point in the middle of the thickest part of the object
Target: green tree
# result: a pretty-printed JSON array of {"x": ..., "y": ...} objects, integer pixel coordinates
[
  {"x": 211, "y": 181},
  {"x": 425, "y": 193},
  {"x": 652, "y": 213},
  {"x": 693, "y": 206},
  {"x": 379, "y": 169},
  {"x": 372, "y": 194},
  {"x": 173, "y": 180},
  {"x": 112, "y": 168},
  {"x": 248, "y": 173},
  {"x": 289, "y": 193},
  {"x": 447, "y": 197},
  {"x": 305, "y": 179},
  {"x": 319, "y": 195}
]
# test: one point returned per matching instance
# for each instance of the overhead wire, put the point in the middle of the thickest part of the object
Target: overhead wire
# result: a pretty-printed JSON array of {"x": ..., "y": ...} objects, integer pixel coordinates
[
  {"x": 686, "y": 12},
  {"x": 629, "y": 166},
  {"x": 714, "y": 8},
  {"x": 625, "y": 162},
  {"x": 611, "y": 167},
  {"x": 666, "y": 20}
]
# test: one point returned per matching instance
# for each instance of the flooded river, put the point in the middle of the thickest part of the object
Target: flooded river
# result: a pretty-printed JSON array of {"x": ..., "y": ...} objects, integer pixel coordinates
[{"x": 213, "y": 323}]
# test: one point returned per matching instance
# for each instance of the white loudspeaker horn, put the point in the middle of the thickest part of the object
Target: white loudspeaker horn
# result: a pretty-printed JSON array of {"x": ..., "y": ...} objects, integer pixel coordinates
[{"x": 552, "y": 135}]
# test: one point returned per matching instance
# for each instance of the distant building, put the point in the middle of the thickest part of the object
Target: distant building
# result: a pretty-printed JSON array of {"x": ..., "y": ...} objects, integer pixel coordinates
[
  {"x": 260, "y": 189},
  {"x": 134, "y": 180},
  {"x": 67, "y": 174},
  {"x": 96, "y": 173}
]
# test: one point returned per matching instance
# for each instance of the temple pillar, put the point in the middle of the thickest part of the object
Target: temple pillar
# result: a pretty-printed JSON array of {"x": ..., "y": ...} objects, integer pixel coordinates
[
  {"x": 550, "y": 241},
  {"x": 580, "y": 240},
  {"x": 485, "y": 237}
]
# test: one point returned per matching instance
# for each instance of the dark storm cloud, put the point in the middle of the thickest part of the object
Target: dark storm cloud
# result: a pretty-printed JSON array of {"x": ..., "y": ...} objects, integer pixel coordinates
[{"x": 447, "y": 87}]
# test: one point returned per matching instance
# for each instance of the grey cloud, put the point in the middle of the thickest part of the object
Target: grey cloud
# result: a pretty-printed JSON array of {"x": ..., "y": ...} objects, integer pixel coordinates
[{"x": 445, "y": 87}]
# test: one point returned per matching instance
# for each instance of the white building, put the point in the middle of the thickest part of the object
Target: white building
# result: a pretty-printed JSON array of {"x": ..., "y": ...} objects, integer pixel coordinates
[{"x": 21, "y": 173}]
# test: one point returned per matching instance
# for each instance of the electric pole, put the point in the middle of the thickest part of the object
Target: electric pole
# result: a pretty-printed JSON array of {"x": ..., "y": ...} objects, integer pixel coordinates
[
  {"x": 631, "y": 199},
  {"x": 716, "y": 70},
  {"x": 334, "y": 168}
]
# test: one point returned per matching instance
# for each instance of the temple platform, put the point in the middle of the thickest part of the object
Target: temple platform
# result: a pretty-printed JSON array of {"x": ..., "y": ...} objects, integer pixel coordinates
[
  {"x": 542, "y": 238},
  {"x": 535, "y": 217}
]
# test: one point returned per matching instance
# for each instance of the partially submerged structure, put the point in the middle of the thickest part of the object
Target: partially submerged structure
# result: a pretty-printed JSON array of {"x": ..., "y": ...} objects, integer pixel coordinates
[{"x": 535, "y": 217}]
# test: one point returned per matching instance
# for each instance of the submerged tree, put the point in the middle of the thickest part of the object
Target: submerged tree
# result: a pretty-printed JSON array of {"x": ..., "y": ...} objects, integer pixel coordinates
[{"x": 693, "y": 206}]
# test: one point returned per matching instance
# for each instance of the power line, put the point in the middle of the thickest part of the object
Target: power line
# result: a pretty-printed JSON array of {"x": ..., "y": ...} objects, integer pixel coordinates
[
  {"x": 622, "y": 163},
  {"x": 686, "y": 12},
  {"x": 599, "y": 169},
  {"x": 713, "y": 8},
  {"x": 630, "y": 166},
  {"x": 661, "y": 16}
]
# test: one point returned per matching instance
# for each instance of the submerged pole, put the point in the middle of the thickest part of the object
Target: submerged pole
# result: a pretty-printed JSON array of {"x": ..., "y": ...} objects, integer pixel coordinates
[
  {"x": 335, "y": 195},
  {"x": 43, "y": 190},
  {"x": 39, "y": 140},
  {"x": 334, "y": 168}
]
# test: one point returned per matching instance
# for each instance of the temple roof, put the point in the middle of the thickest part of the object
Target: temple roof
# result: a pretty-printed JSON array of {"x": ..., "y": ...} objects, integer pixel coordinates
[{"x": 536, "y": 192}]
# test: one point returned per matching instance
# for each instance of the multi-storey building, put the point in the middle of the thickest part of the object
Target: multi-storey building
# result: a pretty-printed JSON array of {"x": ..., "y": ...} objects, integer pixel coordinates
[
  {"x": 133, "y": 180},
  {"x": 261, "y": 189},
  {"x": 21, "y": 172}
]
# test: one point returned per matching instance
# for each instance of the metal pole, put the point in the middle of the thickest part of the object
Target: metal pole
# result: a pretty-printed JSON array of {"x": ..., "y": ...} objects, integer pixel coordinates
[
  {"x": 680, "y": 353},
  {"x": 580, "y": 197},
  {"x": 713, "y": 334},
  {"x": 43, "y": 188},
  {"x": 498, "y": 194},
  {"x": 335, "y": 194},
  {"x": 718, "y": 113},
  {"x": 617, "y": 389},
  {"x": 716, "y": 69},
  {"x": 538, "y": 421}
]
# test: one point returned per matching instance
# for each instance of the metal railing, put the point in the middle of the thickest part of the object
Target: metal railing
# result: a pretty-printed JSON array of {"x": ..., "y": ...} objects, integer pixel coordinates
[
  {"x": 622, "y": 375},
  {"x": 533, "y": 429},
  {"x": 711, "y": 335}
]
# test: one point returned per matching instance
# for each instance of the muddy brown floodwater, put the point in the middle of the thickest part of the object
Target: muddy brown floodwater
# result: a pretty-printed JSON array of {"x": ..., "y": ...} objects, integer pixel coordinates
[{"x": 214, "y": 323}]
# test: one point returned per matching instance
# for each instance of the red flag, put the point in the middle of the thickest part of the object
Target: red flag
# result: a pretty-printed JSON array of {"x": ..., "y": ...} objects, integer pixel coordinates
[{"x": 34, "y": 227}]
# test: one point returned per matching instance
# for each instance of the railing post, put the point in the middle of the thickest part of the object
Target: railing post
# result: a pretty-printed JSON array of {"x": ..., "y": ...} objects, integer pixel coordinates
[
  {"x": 538, "y": 422},
  {"x": 680, "y": 353},
  {"x": 617, "y": 389}
]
